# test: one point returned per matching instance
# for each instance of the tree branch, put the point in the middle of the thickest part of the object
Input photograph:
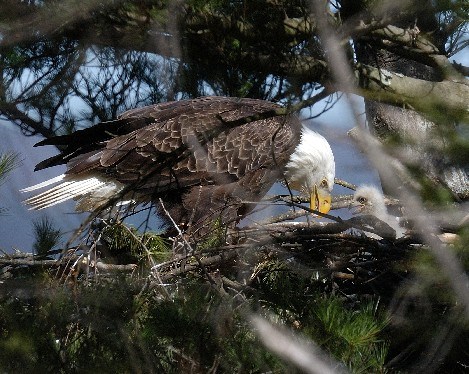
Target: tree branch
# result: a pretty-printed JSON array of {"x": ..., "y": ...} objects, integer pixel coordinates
[
  {"x": 408, "y": 42},
  {"x": 441, "y": 101}
]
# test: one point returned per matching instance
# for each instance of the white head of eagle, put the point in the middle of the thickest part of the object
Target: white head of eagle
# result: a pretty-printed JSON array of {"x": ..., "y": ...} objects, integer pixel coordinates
[
  {"x": 311, "y": 169},
  {"x": 205, "y": 158}
]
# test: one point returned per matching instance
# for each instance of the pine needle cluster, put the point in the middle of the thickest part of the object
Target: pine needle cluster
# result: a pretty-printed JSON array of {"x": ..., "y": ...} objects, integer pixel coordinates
[
  {"x": 46, "y": 235},
  {"x": 127, "y": 244}
]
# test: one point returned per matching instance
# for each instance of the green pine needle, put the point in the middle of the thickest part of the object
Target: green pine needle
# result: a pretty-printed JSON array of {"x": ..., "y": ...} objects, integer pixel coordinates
[
  {"x": 121, "y": 238},
  {"x": 8, "y": 162},
  {"x": 46, "y": 235}
]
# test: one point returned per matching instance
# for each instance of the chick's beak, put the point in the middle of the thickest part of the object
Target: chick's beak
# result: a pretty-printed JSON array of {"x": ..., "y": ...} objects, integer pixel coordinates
[
  {"x": 355, "y": 207},
  {"x": 320, "y": 200}
]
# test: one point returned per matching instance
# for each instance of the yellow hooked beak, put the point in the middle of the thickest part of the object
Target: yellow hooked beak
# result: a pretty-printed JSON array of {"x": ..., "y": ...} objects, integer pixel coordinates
[{"x": 320, "y": 200}]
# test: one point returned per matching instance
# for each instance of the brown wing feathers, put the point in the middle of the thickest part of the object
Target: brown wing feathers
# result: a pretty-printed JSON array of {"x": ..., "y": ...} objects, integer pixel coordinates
[{"x": 184, "y": 144}]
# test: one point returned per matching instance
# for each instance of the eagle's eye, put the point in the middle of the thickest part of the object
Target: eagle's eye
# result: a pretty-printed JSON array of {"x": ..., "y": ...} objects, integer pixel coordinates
[
  {"x": 323, "y": 184},
  {"x": 361, "y": 200}
]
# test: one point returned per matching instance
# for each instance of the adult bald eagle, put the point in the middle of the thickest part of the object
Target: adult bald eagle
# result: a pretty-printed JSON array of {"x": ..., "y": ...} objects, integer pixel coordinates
[{"x": 206, "y": 158}]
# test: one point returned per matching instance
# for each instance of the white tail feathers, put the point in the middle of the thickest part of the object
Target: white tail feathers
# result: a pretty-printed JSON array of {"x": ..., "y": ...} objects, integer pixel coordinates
[
  {"x": 43, "y": 184},
  {"x": 91, "y": 192}
]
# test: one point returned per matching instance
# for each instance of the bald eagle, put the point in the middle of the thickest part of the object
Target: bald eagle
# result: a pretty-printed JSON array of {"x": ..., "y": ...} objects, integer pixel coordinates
[
  {"x": 205, "y": 158},
  {"x": 369, "y": 200}
]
